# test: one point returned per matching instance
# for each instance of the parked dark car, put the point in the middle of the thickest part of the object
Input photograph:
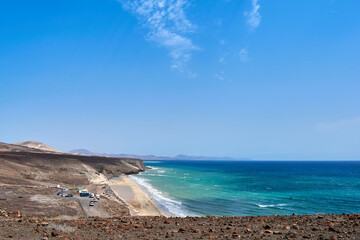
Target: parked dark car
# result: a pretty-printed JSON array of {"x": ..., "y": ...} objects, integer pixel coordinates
[{"x": 84, "y": 194}]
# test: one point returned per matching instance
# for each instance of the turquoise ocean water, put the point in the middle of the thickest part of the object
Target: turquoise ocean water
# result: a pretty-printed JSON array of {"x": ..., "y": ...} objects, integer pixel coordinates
[{"x": 243, "y": 188}]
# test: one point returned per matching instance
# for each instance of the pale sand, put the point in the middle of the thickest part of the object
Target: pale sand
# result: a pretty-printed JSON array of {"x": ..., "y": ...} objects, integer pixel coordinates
[
  {"x": 138, "y": 201},
  {"x": 93, "y": 176}
]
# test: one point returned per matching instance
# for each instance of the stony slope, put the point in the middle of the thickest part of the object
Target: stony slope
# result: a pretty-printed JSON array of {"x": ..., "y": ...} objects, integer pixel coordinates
[
  {"x": 5, "y": 147},
  {"x": 37, "y": 145},
  {"x": 328, "y": 227},
  {"x": 18, "y": 166},
  {"x": 24, "y": 171}
]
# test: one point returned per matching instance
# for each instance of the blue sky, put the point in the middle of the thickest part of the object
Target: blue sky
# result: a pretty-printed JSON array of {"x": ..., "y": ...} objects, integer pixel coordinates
[{"x": 242, "y": 78}]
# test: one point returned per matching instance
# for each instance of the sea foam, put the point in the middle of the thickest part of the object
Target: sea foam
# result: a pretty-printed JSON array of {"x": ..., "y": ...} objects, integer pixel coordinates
[
  {"x": 172, "y": 206},
  {"x": 271, "y": 205}
]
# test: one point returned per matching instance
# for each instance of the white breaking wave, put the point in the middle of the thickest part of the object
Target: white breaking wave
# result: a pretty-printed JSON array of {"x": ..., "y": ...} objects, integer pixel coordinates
[
  {"x": 271, "y": 205},
  {"x": 153, "y": 168},
  {"x": 155, "y": 174},
  {"x": 170, "y": 205}
]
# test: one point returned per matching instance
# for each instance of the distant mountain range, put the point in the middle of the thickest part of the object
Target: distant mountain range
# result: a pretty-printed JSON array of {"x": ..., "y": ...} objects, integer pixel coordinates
[
  {"x": 153, "y": 157},
  {"x": 38, "y": 146}
]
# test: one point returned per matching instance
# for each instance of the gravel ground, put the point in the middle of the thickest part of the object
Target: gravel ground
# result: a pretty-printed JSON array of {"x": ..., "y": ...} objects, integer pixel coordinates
[{"x": 346, "y": 226}]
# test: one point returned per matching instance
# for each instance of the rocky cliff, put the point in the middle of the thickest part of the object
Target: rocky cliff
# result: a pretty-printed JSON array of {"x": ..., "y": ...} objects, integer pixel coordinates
[{"x": 21, "y": 164}]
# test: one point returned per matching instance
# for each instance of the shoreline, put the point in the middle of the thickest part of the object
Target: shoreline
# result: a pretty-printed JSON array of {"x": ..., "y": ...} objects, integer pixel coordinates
[
  {"x": 137, "y": 200},
  {"x": 154, "y": 196}
]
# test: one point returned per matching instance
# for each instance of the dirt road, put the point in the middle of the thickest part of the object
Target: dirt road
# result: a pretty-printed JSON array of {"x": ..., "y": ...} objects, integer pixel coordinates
[{"x": 91, "y": 211}]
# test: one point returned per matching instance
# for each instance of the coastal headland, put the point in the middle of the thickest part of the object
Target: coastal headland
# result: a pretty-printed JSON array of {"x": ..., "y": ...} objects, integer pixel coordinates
[
  {"x": 46, "y": 193},
  {"x": 31, "y": 178}
]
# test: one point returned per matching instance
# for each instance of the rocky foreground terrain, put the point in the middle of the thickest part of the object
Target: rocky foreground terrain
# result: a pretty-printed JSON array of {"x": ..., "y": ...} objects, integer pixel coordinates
[{"x": 346, "y": 226}]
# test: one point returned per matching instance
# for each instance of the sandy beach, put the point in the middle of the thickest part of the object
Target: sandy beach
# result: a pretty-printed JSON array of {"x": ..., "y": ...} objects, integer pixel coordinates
[{"x": 136, "y": 200}]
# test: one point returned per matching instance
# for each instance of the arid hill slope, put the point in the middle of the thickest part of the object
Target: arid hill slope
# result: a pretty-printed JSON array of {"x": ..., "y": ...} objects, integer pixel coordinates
[
  {"x": 5, "y": 147},
  {"x": 30, "y": 166},
  {"x": 26, "y": 174},
  {"x": 37, "y": 145}
]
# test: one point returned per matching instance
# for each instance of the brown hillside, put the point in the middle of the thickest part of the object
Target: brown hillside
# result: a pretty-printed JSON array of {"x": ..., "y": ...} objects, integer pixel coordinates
[
  {"x": 25, "y": 172},
  {"x": 30, "y": 167},
  {"x": 37, "y": 145}
]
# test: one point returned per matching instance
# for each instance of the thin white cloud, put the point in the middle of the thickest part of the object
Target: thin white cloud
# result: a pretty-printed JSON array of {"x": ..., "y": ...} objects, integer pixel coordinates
[
  {"x": 340, "y": 124},
  {"x": 219, "y": 77},
  {"x": 244, "y": 55},
  {"x": 253, "y": 17},
  {"x": 168, "y": 26},
  {"x": 222, "y": 60},
  {"x": 192, "y": 75}
]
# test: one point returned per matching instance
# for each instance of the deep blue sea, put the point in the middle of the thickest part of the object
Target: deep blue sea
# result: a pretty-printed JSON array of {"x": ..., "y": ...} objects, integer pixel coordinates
[{"x": 239, "y": 188}]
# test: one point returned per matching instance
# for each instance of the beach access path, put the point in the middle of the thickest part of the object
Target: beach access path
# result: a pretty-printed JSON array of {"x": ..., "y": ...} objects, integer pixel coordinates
[
  {"x": 136, "y": 200},
  {"x": 91, "y": 211}
]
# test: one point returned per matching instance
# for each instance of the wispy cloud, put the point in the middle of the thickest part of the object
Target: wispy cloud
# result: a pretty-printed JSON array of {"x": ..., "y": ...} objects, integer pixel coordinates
[
  {"x": 219, "y": 77},
  {"x": 244, "y": 55},
  {"x": 340, "y": 124},
  {"x": 253, "y": 17},
  {"x": 168, "y": 26}
]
